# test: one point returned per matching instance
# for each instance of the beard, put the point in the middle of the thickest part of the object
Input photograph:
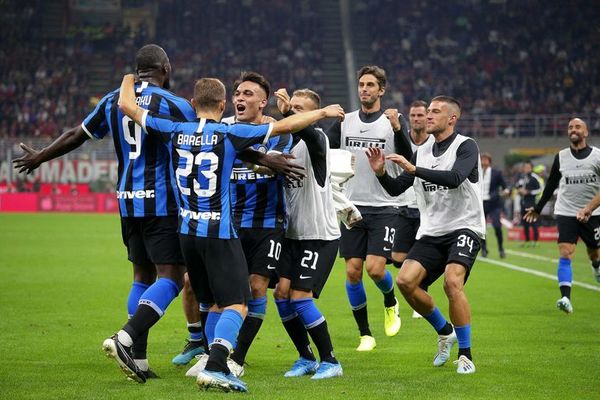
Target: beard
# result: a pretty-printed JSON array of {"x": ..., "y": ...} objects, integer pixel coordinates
[{"x": 575, "y": 139}]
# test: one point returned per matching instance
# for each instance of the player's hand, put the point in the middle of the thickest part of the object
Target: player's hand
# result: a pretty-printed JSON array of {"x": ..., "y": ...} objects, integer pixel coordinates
[
  {"x": 402, "y": 162},
  {"x": 266, "y": 119},
  {"x": 394, "y": 116},
  {"x": 334, "y": 111},
  {"x": 281, "y": 165},
  {"x": 584, "y": 214},
  {"x": 283, "y": 101},
  {"x": 376, "y": 160},
  {"x": 29, "y": 161},
  {"x": 530, "y": 215}
]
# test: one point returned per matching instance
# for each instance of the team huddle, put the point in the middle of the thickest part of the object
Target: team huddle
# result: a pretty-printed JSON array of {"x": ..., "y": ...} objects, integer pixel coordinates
[{"x": 226, "y": 208}]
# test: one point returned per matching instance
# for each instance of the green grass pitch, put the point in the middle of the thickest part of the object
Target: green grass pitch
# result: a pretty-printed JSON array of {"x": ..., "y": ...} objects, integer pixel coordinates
[{"x": 64, "y": 280}]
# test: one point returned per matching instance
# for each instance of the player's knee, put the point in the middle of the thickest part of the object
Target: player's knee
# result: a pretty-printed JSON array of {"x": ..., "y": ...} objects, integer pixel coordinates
[
  {"x": 376, "y": 275},
  {"x": 405, "y": 284},
  {"x": 354, "y": 275},
  {"x": 453, "y": 286}
]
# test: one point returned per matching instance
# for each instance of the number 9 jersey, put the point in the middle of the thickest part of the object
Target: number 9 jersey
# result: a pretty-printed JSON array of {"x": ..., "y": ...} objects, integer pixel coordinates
[
  {"x": 146, "y": 184},
  {"x": 203, "y": 154}
]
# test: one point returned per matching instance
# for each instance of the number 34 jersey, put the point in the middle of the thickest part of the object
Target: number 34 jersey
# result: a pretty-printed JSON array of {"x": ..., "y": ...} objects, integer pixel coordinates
[
  {"x": 146, "y": 184},
  {"x": 203, "y": 153}
]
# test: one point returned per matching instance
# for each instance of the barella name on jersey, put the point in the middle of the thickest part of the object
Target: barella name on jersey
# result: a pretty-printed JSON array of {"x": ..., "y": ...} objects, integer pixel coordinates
[
  {"x": 135, "y": 194},
  {"x": 193, "y": 140},
  {"x": 360, "y": 143},
  {"x": 196, "y": 215},
  {"x": 432, "y": 187},
  {"x": 579, "y": 179},
  {"x": 245, "y": 174}
]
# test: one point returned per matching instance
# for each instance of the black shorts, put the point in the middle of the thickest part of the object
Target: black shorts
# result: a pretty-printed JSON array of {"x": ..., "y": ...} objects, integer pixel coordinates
[
  {"x": 262, "y": 248},
  {"x": 217, "y": 270},
  {"x": 307, "y": 263},
  {"x": 434, "y": 253},
  {"x": 406, "y": 231},
  {"x": 569, "y": 229},
  {"x": 151, "y": 240},
  {"x": 373, "y": 235}
]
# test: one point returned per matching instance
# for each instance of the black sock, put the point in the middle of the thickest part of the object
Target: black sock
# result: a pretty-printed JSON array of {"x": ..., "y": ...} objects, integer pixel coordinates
[
  {"x": 389, "y": 299},
  {"x": 465, "y": 352},
  {"x": 565, "y": 291},
  {"x": 446, "y": 329},
  {"x": 596, "y": 264},
  {"x": 248, "y": 332},
  {"x": 217, "y": 360},
  {"x": 483, "y": 245},
  {"x": 143, "y": 319},
  {"x": 297, "y": 332},
  {"x": 362, "y": 320},
  {"x": 320, "y": 335},
  {"x": 139, "y": 346},
  {"x": 499, "y": 237}
]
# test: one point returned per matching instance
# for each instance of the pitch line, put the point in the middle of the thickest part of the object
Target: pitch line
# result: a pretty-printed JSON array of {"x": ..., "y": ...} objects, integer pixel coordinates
[
  {"x": 537, "y": 273},
  {"x": 532, "y": 256}
]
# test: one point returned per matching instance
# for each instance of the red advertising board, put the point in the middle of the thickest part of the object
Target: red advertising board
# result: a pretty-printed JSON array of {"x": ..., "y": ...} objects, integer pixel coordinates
[{"x": 37, "y": 202}]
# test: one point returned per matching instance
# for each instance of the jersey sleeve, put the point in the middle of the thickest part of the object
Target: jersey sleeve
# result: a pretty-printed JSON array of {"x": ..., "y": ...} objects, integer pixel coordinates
[
  {"x": 95, "y": 124},
  {"x": 245, "y": 135},
  {"x": 334, "y": 134},
  {"x": 163, "y": 126},
  {"x": 280, "y": 144}
]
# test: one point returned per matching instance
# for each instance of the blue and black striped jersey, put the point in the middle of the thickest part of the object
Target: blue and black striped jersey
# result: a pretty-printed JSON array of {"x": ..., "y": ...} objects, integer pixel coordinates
[
  {"x": 146, "y": 185},
  {"x": 203, "y": 153},
  {"x": 257, "y": 199}
]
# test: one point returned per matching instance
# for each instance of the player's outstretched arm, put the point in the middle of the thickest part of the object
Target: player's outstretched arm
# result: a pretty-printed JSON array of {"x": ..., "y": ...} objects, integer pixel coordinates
[
  {"x": 65, "y": 143},
  {"x": 394, "y": 186},
  {"x": 127, "y": 100},
  {"x": 296, "y": 122}
]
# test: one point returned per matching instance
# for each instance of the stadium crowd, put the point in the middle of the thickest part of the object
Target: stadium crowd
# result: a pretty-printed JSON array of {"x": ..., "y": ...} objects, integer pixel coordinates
[{"x": 491, "y": 54}]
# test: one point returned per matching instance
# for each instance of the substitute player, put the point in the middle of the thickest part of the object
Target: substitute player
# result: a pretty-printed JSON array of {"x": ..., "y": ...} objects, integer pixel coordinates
[
  {"x": 310, "y": 246},
  {"x": 370, "y": 241},
  {"x": 576, "y": 173},
  {"x": 445, "y": 176},
  {"x": 203, "y": 155}
]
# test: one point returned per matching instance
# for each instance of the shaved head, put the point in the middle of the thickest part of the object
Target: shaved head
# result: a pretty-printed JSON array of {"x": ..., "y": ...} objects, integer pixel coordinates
[{"x": 578, "y": 133}]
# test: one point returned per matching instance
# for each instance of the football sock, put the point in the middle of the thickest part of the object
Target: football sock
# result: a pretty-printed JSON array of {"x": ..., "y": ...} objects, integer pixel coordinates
[
  {"x": 463, "y": 334},
  {"x": 141, "y": 342},
  {"x": 386, "y": 285},
  {"x": 295, "y": 329},
  {"x": 136, "y": 291},
  {"x": 256, "y": 314},
  {"x": 195, "y": 330},
  {"x": 565, "y": 276},
  {"x": 211, "y": 323},
  {"x": 153, "y": 303},
  {"x": 226, "y": 332},
  {"x": 203, "y": 316},
  {"x": 483, "y": 244},
  {"x": 439, "y": 323},
  {"x": 358, "y": 302},
  {"x": 315, "y": 324}
]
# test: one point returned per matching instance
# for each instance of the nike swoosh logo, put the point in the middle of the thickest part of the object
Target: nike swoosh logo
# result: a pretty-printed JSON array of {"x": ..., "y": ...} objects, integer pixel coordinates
[
  {"x": 463, "y": 254},
  {"x": 386, "y": 248},
  {"x": 269, "y": 267},
  {"x": 366, "y": 130},
  {"x": 434, "y": 166},
  {"x": 305, "y": 277}
]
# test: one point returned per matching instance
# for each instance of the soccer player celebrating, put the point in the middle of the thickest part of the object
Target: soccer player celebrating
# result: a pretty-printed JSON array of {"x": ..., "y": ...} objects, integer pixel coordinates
[
  {"x": 370, "y": 240},
  {"x": 576, "y": 173},
  {"x": 310, "y": 246},
  {"x": 147, "y": 201},
  {"x": 203, "y": 155},
  {"x": 445, "y": 176}
]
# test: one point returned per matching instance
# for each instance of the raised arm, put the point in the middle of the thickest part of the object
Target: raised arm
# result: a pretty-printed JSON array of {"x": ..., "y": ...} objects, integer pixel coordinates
[
  {"x": 127, "y": 100},
  {"x": 65, "y": 143},
  {"x": 296, "y": 122}
]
